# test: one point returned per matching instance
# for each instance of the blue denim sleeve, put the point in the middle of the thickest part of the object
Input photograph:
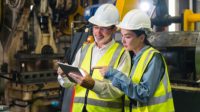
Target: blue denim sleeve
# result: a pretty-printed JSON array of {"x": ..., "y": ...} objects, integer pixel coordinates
[
  {"x": 149, "y": 82},
  {"x": 117, "y": 78}
]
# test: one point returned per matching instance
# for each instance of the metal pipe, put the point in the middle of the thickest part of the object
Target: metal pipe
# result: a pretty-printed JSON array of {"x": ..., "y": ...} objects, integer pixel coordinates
[
  {"x": 194, "y": 17},
  {"x": 166, "y": 20},
  {"x": 191, "y": 4}
]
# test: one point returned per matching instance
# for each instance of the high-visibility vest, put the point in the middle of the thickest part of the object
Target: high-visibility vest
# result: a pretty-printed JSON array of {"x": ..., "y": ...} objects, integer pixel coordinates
[
  {"x": 94, "y": 103},
  {"x": 162, "y": 100}
]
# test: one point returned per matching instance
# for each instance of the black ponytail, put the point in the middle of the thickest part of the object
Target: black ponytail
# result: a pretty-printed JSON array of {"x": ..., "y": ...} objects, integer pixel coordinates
[{"x": 142, "y": 32}]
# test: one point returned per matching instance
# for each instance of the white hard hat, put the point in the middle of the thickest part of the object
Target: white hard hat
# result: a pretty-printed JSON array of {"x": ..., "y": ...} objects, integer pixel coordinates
[
  {"x": 135, "y": 20},
  {"x": 106, "y": 15}
]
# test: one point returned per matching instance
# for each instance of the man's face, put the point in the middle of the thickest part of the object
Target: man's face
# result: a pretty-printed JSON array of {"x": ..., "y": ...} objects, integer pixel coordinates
[
  {"x": 130, "y": 40},
  {"x": 102, "y": 35}
]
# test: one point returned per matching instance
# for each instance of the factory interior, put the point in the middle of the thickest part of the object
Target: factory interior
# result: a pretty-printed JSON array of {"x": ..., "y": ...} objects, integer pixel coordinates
[{"x": 34, "y": 34}]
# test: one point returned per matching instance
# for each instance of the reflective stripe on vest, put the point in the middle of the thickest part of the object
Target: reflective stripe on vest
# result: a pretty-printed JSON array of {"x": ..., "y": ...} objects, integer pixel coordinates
[
  {"x": 99, "y": 102},
  {"x": 152, "y": 101},
  {"x": 156, "y": 100},
  {"x": 162, "y": 98},
  {"x": 93, "y": 101},
  {"x": 139, "y": 70},
  {"x": 159, "y": 99},
  {"x": 83, "y": 52},
  {"x": 114, "y": 57}
]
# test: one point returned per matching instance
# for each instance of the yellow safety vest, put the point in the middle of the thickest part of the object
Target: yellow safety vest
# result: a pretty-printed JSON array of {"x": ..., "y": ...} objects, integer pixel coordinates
[
  {"x": 94, "y": 103},
  {"x": 162, "y": 100}
]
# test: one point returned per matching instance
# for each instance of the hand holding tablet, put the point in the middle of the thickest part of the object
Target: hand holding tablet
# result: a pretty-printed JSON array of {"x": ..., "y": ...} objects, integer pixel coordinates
[{"x": 69, "y": 68}]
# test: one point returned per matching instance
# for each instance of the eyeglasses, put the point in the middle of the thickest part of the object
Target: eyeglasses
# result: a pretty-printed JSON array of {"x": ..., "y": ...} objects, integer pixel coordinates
[{"x": 102, "y": 28}]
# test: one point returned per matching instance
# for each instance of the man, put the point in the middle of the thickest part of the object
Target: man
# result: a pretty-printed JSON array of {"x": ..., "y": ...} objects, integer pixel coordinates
[{"x": 95, "y": 94}]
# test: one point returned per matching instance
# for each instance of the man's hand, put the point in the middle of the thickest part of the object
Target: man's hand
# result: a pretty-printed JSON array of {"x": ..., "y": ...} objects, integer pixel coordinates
[
  {"x": 85, "y": 81},
  {"x": 60, "y": 72}
]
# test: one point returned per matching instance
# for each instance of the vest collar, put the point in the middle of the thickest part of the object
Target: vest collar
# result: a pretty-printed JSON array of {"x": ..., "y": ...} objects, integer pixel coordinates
[
  {"x": 106, "y": 46},
  {"x": 138, "y": 55}
]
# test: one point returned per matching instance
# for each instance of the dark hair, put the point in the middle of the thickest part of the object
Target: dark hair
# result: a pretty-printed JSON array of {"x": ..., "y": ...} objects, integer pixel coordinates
[
  {"x": 113, "y": 26},
  {"x": 140, "y": 32}
]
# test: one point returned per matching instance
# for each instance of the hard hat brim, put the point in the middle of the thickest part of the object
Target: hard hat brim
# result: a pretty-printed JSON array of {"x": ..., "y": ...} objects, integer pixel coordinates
[
  {"x": 98, "y": 22},
  {"x": 131, "y": 28}
]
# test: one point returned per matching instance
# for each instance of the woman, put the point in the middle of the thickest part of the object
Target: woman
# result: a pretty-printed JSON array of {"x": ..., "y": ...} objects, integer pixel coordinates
[{"x": 148, "y": 87}]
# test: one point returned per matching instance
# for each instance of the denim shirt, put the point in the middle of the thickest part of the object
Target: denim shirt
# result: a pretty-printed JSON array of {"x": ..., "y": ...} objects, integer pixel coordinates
[{"x": 150, "y": 80}]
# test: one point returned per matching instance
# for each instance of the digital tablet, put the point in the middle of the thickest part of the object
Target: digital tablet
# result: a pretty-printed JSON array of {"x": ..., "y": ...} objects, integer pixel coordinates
[{"x": 69, "y": 68}]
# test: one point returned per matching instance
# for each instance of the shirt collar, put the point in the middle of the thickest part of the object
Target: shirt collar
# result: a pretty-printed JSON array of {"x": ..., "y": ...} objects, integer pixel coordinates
[
  {"x": 106, "y": 46},
  {"x": 138, "y": 55}
]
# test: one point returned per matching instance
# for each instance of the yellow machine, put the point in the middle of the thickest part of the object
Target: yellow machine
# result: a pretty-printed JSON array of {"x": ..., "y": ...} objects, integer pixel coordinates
[
  {"x": 189, "y": 20},
  {"x": 124, "y": 6}
]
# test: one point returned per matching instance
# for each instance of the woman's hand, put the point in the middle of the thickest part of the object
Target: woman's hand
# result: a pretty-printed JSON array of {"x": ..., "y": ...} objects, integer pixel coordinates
[{"x": 102, "y": 69}]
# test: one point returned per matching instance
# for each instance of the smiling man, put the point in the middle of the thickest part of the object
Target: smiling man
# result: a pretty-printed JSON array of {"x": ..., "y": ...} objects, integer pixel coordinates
[{"x": 94, "y": 93}]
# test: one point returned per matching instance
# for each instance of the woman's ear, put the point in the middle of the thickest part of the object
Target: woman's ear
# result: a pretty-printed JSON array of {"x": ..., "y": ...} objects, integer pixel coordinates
[{"x": 142, "y": 37}]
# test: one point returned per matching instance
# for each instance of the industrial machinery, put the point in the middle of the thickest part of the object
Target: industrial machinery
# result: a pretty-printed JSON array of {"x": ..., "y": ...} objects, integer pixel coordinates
[
  {"x": 30, "y": 32},
  {"x": 182, "y": 53}
]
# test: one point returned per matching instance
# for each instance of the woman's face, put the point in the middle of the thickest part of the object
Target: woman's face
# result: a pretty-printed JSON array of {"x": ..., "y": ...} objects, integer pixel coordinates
[{"x": 131, "y": 41}]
